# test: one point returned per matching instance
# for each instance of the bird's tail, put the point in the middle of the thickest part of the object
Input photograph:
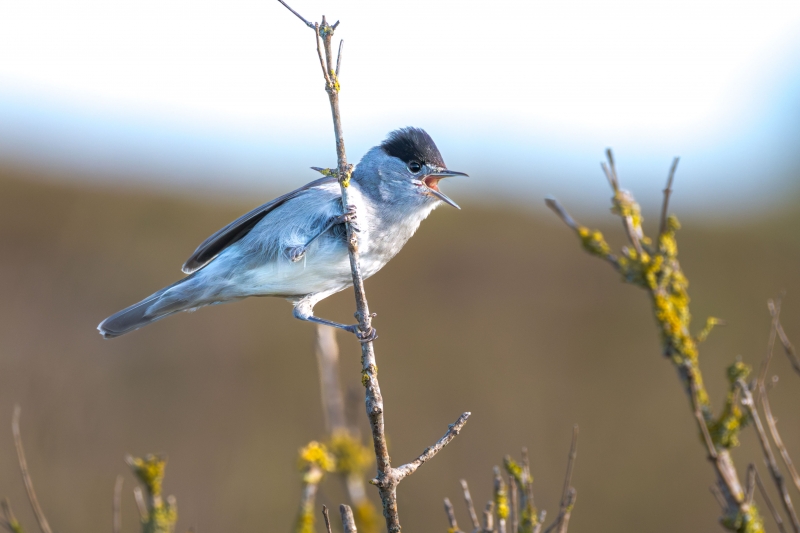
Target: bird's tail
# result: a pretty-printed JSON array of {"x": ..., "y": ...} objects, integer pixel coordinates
[{"x": 158, "y": 305}]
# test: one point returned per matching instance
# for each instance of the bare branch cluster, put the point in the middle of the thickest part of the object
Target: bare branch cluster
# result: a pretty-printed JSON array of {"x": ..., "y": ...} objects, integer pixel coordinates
[
  {"x": 512, "y": 510},
  {"x": 653, "y": 265}
]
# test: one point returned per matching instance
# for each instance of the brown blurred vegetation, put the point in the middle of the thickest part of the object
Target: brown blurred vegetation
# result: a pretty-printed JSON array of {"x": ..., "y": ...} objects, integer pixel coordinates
[{"x": 488, "y": 310}]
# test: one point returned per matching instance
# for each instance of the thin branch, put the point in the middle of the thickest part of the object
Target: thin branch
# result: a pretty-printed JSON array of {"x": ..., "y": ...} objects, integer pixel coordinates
[
  {"x": 116, "y": 507},
  {"x": 667, "y": 192},
  {"x": 26, "y": 478},
  {"x": 573, "y": 453},
  {"x": 698, "y": 415},
  {"x": 718, "y": 496},
  {"x": 788, "y": 349},
  {"x": 775, "y": 312},
  {"x": 562, "y": 213},
  {"x": 327, "y": 518},
  {"x": 470, "y": 506},
  {"x": 339, "y": 56},
  {"x": 750, "y": 488},
  {"x": 559, "y": 210},
  {"x": 777, "y": 476},
  {"x": 452, "y": 430},
  {"x": 527, "y": 478},
  {"x": 488, "y": 517},
  {"x": 773, "y": 511},
  {"x": 501, "y": 502},
  {"x": 307, "y": 23},
  {"x": 321, "y": 61},
  {"x": 540, "y": 521},
  {"x": 327, "y": 351},
  {"x": 144, "y": 515},
  {"x": 562, "y": 520},
  {"x": 776, "y": 437},
  {"x": 348, "y": 523},
  {"x": 451, "y": 516},
  {"x": 513, "y": 496}
]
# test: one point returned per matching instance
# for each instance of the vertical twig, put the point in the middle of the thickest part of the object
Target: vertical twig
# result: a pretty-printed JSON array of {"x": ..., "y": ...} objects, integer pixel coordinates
[
  {"x": 540, "y": 521},
  {"x": 512, "y": 493},
  {"x": 667, "y": 192},
  {"x": 500, "y": 500},
  {"x": 476, "y": 525},
  {"x": 327, "y": 351},
  {"x": 769, "y": 457},
  {"x": 488, "y": 517},
  {"x": 573, "y": 453},
  {"x": 116, "y": 507},
  {"x": 388, "y": 477},
  {"x": 138, "y": 495},
  {"x": 26, "y": 478},
  {"x": 775, "y": 312},
  {"x": 327, "y": 518},
  {"x": 750, "y": 487},
  {"x": 451, "y": 516},
  {"x": 348, "y": 523}
]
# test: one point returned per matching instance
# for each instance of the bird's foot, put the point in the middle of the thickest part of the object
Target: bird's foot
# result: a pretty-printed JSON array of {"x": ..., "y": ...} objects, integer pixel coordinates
[
  {"x": 363, "y": 336},
  {"x": 349, "y": 217},
  {"x": 296, "y": 253}
]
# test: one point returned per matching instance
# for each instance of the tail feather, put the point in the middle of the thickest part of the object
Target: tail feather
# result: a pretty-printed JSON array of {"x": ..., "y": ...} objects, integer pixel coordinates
[{"x": 153, "y": 308}]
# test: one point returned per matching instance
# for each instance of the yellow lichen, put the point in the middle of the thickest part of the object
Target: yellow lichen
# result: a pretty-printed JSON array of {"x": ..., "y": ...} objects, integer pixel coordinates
[{"x": 316, "y": 454}]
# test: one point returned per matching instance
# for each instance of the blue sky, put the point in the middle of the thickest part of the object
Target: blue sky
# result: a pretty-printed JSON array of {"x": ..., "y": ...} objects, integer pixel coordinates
[{"x": 226, "y": 97}]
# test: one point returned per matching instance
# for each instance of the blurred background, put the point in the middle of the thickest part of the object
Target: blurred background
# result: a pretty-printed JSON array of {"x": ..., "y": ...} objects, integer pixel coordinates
[{"x": 129, "y": 132}]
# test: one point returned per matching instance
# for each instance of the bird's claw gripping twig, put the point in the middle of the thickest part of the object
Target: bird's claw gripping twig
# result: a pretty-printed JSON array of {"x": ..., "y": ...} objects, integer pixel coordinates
[
  {"x": 363, "y": 336},
  {"x": 349, "y": 217}
]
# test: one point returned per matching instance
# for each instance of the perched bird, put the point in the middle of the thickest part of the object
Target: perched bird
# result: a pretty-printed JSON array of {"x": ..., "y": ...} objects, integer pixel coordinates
[{"x": 295, "y": 246}]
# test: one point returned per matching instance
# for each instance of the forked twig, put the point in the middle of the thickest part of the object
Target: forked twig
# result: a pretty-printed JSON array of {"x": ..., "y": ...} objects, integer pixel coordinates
[
  {"x": 26, "y": 477},
  {"x": 562, "y": 520},
  {"x": 772, "y": 464},
  {"x": 401, "y": 472}
]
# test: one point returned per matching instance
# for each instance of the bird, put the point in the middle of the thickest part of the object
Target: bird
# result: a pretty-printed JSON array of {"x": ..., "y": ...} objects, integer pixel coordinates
[{"x": 295, "y": 246}]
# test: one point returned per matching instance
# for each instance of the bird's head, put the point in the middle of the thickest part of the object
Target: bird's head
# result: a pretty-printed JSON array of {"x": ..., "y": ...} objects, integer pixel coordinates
[{"x": 406, "y": 166}]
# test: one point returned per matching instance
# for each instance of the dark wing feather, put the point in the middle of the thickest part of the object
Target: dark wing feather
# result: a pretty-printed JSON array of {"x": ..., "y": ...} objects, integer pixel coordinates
[{"x": 237, "y": 229}]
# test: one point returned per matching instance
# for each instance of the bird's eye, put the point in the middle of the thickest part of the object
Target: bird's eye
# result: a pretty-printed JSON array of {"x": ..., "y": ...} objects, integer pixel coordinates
[{"x": 415, "y": 166}]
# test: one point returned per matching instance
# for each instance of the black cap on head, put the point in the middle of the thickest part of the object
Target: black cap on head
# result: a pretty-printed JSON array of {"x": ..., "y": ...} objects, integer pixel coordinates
[{"x": 412, "y": 144}]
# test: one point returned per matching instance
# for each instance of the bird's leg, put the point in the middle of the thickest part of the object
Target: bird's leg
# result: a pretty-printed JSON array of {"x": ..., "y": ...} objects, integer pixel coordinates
[
  {"x": 349, "y": 216},
  {"x": 304, "y": 310}
]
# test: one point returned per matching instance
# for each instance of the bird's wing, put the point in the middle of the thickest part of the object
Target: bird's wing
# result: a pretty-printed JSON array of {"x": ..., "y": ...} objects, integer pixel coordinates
[{"x": 237, "y": 229}]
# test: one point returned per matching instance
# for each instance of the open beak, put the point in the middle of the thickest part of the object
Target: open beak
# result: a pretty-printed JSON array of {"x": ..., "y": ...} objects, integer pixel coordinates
[{"x": 431, "y": 181}]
